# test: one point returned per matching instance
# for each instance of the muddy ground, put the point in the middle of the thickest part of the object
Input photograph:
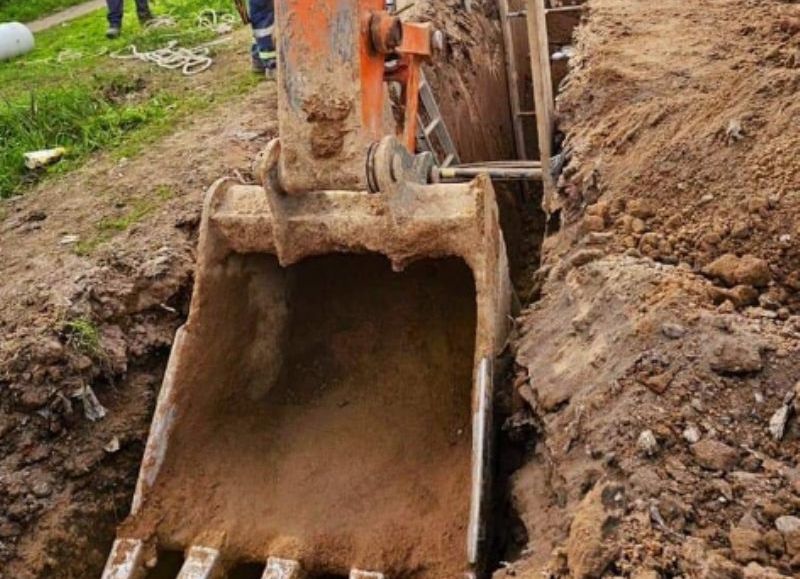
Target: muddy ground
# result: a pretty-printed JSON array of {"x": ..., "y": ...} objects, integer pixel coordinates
[{"x": 653, "y": 414}]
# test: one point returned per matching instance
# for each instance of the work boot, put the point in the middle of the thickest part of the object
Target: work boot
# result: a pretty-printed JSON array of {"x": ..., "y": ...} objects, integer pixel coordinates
[
  {"x": 145, "y": 17},
  {"x": 113, "y": 32},
  {"x": 257, "y": 65},
  {"x": 271, "y": 70}
]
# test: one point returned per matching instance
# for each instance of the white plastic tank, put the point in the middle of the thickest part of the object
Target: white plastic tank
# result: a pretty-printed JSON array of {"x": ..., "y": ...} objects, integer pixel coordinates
[{"x": 15, "y": 39}]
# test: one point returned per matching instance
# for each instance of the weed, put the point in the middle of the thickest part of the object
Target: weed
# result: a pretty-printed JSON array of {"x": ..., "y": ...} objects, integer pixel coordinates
[
  {"x": 164, "y": 193},
  {"x": 83, "y": 335},
  {"x": 108, "y": 227}
]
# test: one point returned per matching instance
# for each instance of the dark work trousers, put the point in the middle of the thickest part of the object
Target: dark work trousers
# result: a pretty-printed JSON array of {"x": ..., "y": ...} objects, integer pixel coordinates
[
  {"x": 115, "y": 11},
  {"x": 262, "y": 17}
]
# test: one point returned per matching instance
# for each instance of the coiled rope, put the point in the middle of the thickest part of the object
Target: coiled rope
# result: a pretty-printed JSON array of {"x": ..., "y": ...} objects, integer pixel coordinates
[{"x": 189, "y": 61}]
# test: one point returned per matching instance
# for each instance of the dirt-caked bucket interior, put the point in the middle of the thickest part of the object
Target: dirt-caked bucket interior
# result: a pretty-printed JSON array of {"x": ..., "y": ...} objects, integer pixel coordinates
[{"x": 325, "y": 416}]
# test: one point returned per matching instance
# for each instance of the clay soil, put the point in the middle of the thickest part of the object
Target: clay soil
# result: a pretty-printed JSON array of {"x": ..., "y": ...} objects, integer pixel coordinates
[
  {"x": 658, "y": 374},
  {"x": 654, "y": 399}
]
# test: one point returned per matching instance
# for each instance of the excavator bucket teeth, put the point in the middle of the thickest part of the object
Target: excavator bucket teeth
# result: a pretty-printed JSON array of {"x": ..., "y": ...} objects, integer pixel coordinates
[{"x": 326, "y": 404}]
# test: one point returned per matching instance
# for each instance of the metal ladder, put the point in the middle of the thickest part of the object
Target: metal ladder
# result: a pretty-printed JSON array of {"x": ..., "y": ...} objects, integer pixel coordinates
[{"x": 432, "y": 132}]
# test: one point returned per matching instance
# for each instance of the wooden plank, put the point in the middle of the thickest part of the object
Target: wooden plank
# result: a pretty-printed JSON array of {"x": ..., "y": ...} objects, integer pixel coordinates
[
  {"x": 512, "y": 78},
  {"x": 542, "y": 89},
  {"x": 561, "y": 23}
]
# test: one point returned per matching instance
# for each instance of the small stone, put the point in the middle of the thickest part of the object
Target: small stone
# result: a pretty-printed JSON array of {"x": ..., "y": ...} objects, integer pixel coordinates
[
  {"x": 593, "y": 223},
  {"x": 647, "y": 443},
  {"x": 757, "y": 204},
  {"x": 734, "y": 131},
  {"x": 641, "y": 208},
  {"x": 745, "y": 270},
  {"x": 774, "y": 543},
  {"x": 673, "y": 331},
  {"x": 647, "y": 480},
  {"x": 787, "y": 524},
  {"x": 584, "y": 256},
  {"x": 756, "y": 571},
  {"x": 777, "y": 424},
  {"x": 41, "y": 489},
  {"x": 715, "y": 455},
  {"x": 792, "y": 540},
  {"x": 660, "y": 382},
  {"x": 691, "y": 434},
  {"x": 638, "y": 226},
  {"x": 739, "y": 296},
  {"x": 748, "y": 545},
  {"x": 723, "y": 488},
  {"x": 69, "y": 239},
  {"x": 736, "y": 356},
  {"x": 112, "y": 446}
]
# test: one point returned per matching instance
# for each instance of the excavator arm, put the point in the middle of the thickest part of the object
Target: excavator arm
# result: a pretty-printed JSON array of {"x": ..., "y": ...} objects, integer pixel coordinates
[{"x": 325, "y": 411}]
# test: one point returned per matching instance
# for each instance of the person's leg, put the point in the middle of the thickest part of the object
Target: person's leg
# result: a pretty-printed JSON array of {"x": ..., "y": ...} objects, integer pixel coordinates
[
  {"x": 115, "y": 12},
  {"x": 143, "y": 11},
  {"x": 114, "y": 18},
  {"x": 262, "y": 17}
]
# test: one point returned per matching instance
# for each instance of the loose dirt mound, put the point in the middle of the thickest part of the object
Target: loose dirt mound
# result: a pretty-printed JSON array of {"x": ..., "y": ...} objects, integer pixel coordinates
[
  {"x": 665, "y": 394},
  {"x": 684, "y": 122}
]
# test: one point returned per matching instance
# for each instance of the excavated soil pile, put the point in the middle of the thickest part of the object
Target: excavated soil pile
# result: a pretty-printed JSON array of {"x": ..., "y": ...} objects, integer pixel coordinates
[{"x": 665, "y": 397}]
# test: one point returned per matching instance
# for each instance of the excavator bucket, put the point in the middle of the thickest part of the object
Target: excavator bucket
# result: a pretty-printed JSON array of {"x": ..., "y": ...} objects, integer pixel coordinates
[
  {"x": 325, "y": 411},
  {"x": 327, "y": 400}
]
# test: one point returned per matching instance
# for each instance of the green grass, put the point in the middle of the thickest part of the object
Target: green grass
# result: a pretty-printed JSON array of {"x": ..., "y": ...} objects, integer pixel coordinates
[
  {"x": 138, "y": 209},
  {"x": 82, "y": 335},
  {"x": 29, "y": 10},
  {"x": 69, "y": 92}
]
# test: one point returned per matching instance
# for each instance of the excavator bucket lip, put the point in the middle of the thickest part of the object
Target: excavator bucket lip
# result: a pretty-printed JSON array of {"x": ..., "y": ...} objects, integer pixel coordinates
[{"x": 414, "y": 223}]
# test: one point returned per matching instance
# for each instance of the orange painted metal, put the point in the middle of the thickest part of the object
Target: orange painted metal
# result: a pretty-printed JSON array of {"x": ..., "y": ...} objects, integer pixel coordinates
[
  {"x": 332, "y": 86},
  {"x": 373, "y": 90},
  {"x": 416, "y": 39},
  {"x": 414, "y": 49}
]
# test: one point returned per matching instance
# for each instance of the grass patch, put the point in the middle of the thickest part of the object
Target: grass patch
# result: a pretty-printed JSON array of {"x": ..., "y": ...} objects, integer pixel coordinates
[
  {"x": 29, "y": 10},
  {"x": 83, "y": 336},
  {"x": 81, "y": 119},
  {"x": 108, "y": 227},
  {"x": 69, "y": 92}
]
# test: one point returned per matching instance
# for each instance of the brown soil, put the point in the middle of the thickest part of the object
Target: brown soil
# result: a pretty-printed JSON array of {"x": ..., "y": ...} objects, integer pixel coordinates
[
  {"x": 346, "y": 446},
  {"x": 663, "y": 367},
  {"x": 647, "y": 374}
]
